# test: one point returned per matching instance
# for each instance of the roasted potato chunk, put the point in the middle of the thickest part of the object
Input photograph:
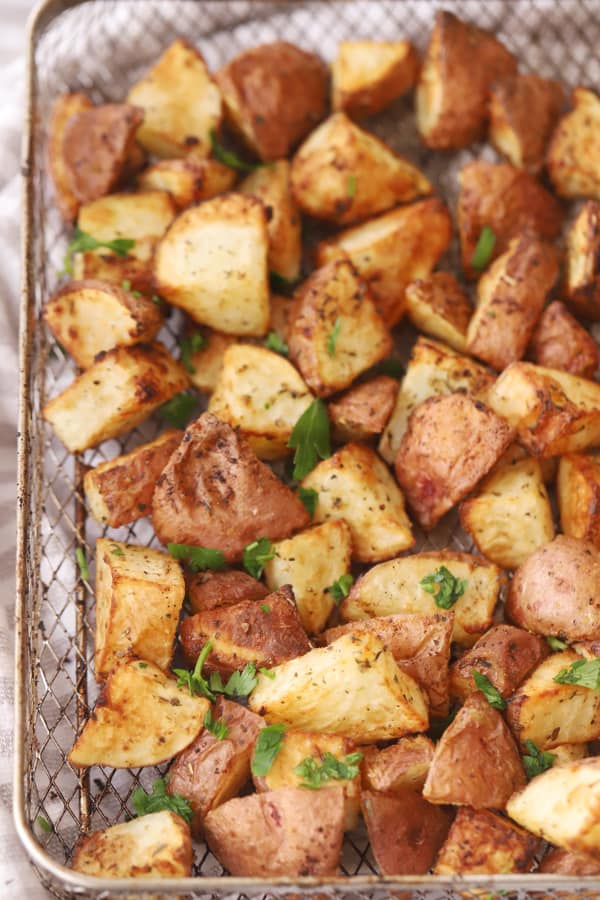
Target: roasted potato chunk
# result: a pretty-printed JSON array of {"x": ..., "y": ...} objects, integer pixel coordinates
[
  {"x": 355, "y": 485},
  {"x": 399, "y": 766},
  {"x": 336, "y": 332},
  {"x": 474, "y": 438},
  {"x": 65, "y": 107},
  {"x": 392, "y": 250},
  {"x": 181, "y": 104},
  {"x": 561, "y": 862},
  {"x": 99, "y": 266},
  {"x": 366, "y": 76},
  {"x": 438, "y": 306},
  {"x": 143, "y": 719},
  {"x": 482, "y": 842},
  {"x": 87, "y": 317},
  {"x": 212, "y": 263},
  {"x": 461, "y": 63},
  {"x": 353, "y": 687},
  {"x": 509, "y": 201},
  {"x": 210, "y": 590},
  {"x": 362, "y": 411},
  {"x": 287, "y": 832},
  {"x": 574, "y": 151},
  {"x": 311, "y": 562},
  {"x": 274, "y": 95},
  {"x": 476, "y": 761},
  {"x": 511, "y": 296},
  {"x": 262, "y": 395},
  {"x": 578, "y": 492},
  {"x": 523, "y": 112},
  {"x": 114, "y": 395},
  {"x": 157, "y": 845},
  {"x": 207, "y": 362},
  {"x": 343, "y": 174},
  {"x": 214, "y": 492},
  {"x": 189, "y": 180},
  {"x": 396, "y": 587},
  {"x": 560, "y": 342},
  {"x": 582, "y": 275},
  {"x": 120, "y": 490},
  {"x": 505, "y": 655}
]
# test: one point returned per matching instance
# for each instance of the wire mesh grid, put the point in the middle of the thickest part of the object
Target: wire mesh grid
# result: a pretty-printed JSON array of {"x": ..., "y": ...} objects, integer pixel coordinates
[{"x": 101, "y": 47}]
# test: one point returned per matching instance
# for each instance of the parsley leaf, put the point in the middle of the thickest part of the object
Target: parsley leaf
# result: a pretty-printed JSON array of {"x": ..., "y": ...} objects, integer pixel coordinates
[
  {"x": 240, "y": 684},
  {"x": 315, "y": 775},
  {"x": 158, "y": 800},
  {"x": 536, "y": 761},
  {"x": 484, "y": 249},
  {"x": 256, "y": 555},
  {"x": 583, "y": 672},
  {"x": 491, "y": 693},
  {"x": 216, "y": 726},
  {"x": 268, "y": 745},
  {"x": 267, "y": 673},
  {"x": 332, "y": 339},
  {"x": 228, "y": 157},
  {"x": 82, "y": 241},
  {"x": 126, "y": 285},
  {"x": 352, "y": 186},
  {"x": 555, "y": 644},
  {"x": 310, "y": 498},
  {"x": 277, "y": 344},
  {"x": 44, "y": 824},
  {"x": 82, "y": 563},
  {"x": 116, "y": 550},
  {"x": 190, "y": 344},
  {"x": 265, "y": 608},
  {"x": 449, "y": 587},
  {"x": 197, "y": 558},
  {"x": 178, "y": 409},
  {"x": 194, "y": 681},
  {"x": 341, "y": 588},
  {"x": 310, "y": 438}
]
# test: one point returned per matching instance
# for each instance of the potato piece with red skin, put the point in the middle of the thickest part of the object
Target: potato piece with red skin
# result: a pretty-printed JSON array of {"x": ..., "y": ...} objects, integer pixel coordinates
[
  {"x": 369, "y": 75},
  {"x": 560, "y": 342},
  {"x": 561, "y": 862},
  {"x": 212, "y": 590},
  {"x": 402, "y": 765},
  {"x": 582, "y": 268},
  {"x": 483, "y": 843},
  {"x": 362, "y": 412},
  {"x": 578, "y": 493},
  {"x": 65, "y": 107}
]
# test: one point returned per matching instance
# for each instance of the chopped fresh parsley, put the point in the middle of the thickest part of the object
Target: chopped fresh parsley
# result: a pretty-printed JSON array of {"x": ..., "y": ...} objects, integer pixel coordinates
[
  {"x": 438, "y": 726},
  {"x": 267, "y": 673},
  {"x": 158, "y": 800},
  {"x": 197, "y": 558},
  {"x": 116, "y": 550},
  {"x": 332, "y": 339},
  {"x": 265, "y": 608},
  {"x": 583, "y": 672},
  {"x": 190, "y": 344},
  {"x": 240, "y": 684},
  {"x": 352, "y": 186},
  {"x": 484, "y": 249},
  {"x": 82, "y": 563},
  {"x": 445, "y": 587},
  {"x": 341, "y": 588},
  {"x": 309, "y": 498},
  {"x": 143, "y": 665},
  {"x": 194, "y": 681},
  {"x": 315, "y": 775},
  {"x": 536, "y": 761},
  {"x": 178, "y": 409},
  {"x": 82, "y": 241},
  {"x": 126, "y": 285},
  {"x": 277, "y": 344},
  {"x": 228, "y": 157},
  {"x": 267, "y": 747},
  {"x": 491, "y": 693},
  {"x": 310, "y": 439},
  {"x": 216, "y": 726},
  {"x": 555, "y": 644},
  {"x": 256, "y": 555},
  {"x": 44, "y": 824}
]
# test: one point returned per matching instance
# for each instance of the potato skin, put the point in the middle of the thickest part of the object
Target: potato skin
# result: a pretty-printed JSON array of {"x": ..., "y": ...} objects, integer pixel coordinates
[
  {"x": 582, "y": 275},
  {"x": 362, "y": 411},
  {"x": 574, "y": 152},
  {"x": 561, "y": 862},
  {"x": 578, "y": 492},
  {"x": 188, "y": 180},
  {"x": 212, "y": 590},
  {"x": 369, "y": 75},
  {"x": 560, "y": 342},
  {"x": 65, "y": 106},
  {"x": 401, "y": 765},
  {"x": 482, "y": 842}
]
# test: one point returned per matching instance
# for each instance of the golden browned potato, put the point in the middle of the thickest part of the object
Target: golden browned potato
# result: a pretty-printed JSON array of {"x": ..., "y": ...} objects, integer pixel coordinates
[
  {"x": 560, "y": 342},
  {"x": 392, "y": 250},
  {"x": 439, "y": 306},
  {"x": 212, "y": 770},
  {"x": 473, "y": 438},
  {"x": 582, "y": 275},
  {"x": 574, "y": 151},
  {"x": 210, "y": 589},
  {"x": 523, "y": 112},
  {"x": 461, "y": 63},
  {"x": 214, "y": 492},
  {"x": 336, "y": 332},
  {"x": 578, "y": 492},
  {"x": 405, "y": 831},
  {"x": 483, "y": 843},
  {"x": 343, "y": 174},
  {"x": 555, "y": 590},
  {"x": 181, "y": 104},
  {"x": 142, "y": 719},
  {"x": 157, "y": 845},
  {"x": 92, "y": 265},
  {"x": 207, "y": 362},
  {"x": 510, "y": 298},
  {"x": 65, "y": 107},
  {"x": 354, "y": 484},
  {"x": 271, "y": 185},
  {"x": 553, "y": 412},
  {"x": 476, "y": 761},
  {"x": 114, "y": 395},
  {"x": 505, "y": 655},
  {"x": 353, "y": 687},
  {"x": 87, "y": 317},
  {"x": 362, "y": 411},
  {"x": 120, "y": 490},
  {"x": 366, "y": 76},
  {"x": 396, "y": 587},
  {"x": 566, "y": 753},
  {"x": 404, "y": 764},
  {"x": 506, "y": 200},
  {"x": 433, "y": 369},
  {"x": 188, "y": 180},
  {"x": 212, "y": 263},
  {"x": 288, "y": 832},
  {"x": 561, "y": 862}
]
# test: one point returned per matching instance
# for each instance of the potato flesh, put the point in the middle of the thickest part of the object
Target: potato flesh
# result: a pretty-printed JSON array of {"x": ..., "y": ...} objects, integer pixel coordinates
[{"x": 482, "y": 842}]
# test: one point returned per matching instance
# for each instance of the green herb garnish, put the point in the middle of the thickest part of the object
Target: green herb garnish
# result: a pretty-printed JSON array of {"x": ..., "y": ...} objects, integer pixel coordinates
[
  {"x": 256, "y": 555},
  {"x": 315, "y": 776},
  {"x": 158, "y": 800},
  {"x": 82, "y": 563},
  {"x": 445, "y": 587},
  {"x": 484, "y": 249},
  {"x": 536, "y": 761},
  {"x": 351, "y": 186},
  {"x": 197, "y": 558},
  {"x": 126, "y": 285},
  {"x": 277, "y": 344},
  {"x": 116, "y": 550},
  {"x": 341, "y": 588},
  {"x": 332, "y": 339},
  {"x": 309, "y": 498},
  {"x": 491, "y": 693},
  {"x": 265, "y": 608},
  {"x": 267, "y": 673},
  {"x": 44, "y": 824},
  {"x": 267, "y": 747},
  {"x": 583, "y": 672},
  {"x": 228, "y": 157},
  {"x": 190, "y": 344},
  {"x": 178, "y": 409},
  {"x": 555, "y": 644},
  {"x": 82, "y": 241},
  {"x": 240, "y": 684},
  {"x": 194, "y": 681},
  {"x": 310, "y": 438},
  {"x": 216, "y": 726}
]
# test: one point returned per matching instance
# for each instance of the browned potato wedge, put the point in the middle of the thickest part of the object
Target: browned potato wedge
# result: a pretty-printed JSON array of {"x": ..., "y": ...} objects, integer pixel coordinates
[
  {"x": 274, "y": 95},
  {"x": 366, "y": 76},
  {"x": 336, "y": 332},
  {"x": 65, "y": 107},
  {"x": 582, "y": 276},
  {"x": 343, "y": 174},
  {"x": 574, "y": 151},
  {"x": 555, "y": 590},
  {"x": 505, "y": 655},
  {"x": 578, "y": 492},
  {"x": 143, "y": 719},
  {"x": 553, "y": 412},
  {"x": 461, "y": 63},
  {"x": 561, "y": 862},
  {"x": 87, "y": 317},
  {"x": 212, "y": 263},
  {"x": 566, "y": 753},
  {"x": 207, "y": 362},
  {"x": 114, "y": 395},
  {"x": 362, "y": 411},
  {"x": 396, "y": 587},
  {"x": 405, "y": 831},
  {"x": 483, "y": 843},
  {"x": 392, "y": 250},
  {"x": 354, "y": 484},
  {"x": 474, "y": 438},
  {"x": 211, "y": 770},
  {"x": 214, "y": 492},
  {"x": 139, "y": 595},
  {"x": 353, "y": 687},
  {"x": 181, "y": 104},
  {"x": 419, "y": 644},
  {"x": 511, "y": 295},
  {"x": 476, "y": 761},
  {"x": 523, "y": 112},
  {"x": 399, "y": 766},
  {"x": 433, "y": 369},
  {"x": 507, "y": 200},
  {"x": 120, "y": 490},
  {"x": 438, "y": 306},
  {"x": 210, "y": 590},
  {"x": 560, "y": 342},
  {"x": 288, "y": 832},
  {"x": 188, "y": 180},
  {"x": 94, "y": 266},
  {"x": 157, "y": 845}
]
